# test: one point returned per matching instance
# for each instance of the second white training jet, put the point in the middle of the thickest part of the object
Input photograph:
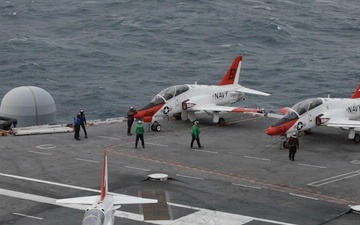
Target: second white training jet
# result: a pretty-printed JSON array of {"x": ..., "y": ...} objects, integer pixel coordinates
[
  {"x": 332, "y": 112},
  {"x": 184, "y": 100}
]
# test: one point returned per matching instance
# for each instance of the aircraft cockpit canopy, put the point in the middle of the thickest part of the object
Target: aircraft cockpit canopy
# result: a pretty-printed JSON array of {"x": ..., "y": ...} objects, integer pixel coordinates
[
  {"x": 298, "y": 109},
  {"x": 167, "y": 94},
  {"x": 306, "y": 105}
]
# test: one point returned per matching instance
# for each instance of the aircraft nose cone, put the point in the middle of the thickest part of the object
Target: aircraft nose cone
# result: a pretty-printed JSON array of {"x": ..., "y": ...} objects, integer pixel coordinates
[{"x": 271, "y": 131}]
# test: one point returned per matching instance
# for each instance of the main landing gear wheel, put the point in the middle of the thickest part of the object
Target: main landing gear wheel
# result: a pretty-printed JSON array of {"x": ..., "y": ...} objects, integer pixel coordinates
[
  {"x": 357, "y": 138},
  {"x": 156, "y": 127},
  {"x": 285, "y": 144},
  {"x": 221, "y": 121}
]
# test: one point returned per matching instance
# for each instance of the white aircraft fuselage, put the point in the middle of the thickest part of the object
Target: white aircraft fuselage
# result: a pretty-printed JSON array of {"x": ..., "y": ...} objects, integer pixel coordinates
[
  {"x": 187, "y": 99},
  {"x": 310, "y": 113}
]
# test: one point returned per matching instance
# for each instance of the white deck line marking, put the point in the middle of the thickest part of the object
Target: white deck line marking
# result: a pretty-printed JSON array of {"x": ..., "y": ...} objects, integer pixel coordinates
[
  {"x": 264, "y": 159},
  {"x": 132, "y": 216},
  {"x": 52, "y": 201},
  {"x": 303, "y": 196},
  {"x": 2, "y": 146},
  {"x": 32, "y": 217},
  {"x": 334, "y": 178},
  {"x": 112, "y": 138},
  {"x": 147, "y": 143},
  {"x": 136, "y": 168},
  {"x": 198, "y": 150},
  {"x": 227, "y": 214},
  {"x": 41, "y": 153},
  {"x": 49, "y": 182},
  {"x": 198, "y": 178},
  {"x": 46, "y": 146},
  {"x": 242, "y": 185},
  {"x": 322, "y": 167},
  {"x": 87, "y": 160}
]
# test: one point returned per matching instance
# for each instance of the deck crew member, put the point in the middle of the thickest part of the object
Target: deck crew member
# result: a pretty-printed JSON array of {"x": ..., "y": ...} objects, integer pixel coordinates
[
  {"x": 293, "y": 143},
  {"x": 83, "y": 122},
  {"x": 130, "y": 119},
  {"x": 195, "y": 132},
  {"x": 139, "y": 131},
  {"x": 77, "y": 127}
]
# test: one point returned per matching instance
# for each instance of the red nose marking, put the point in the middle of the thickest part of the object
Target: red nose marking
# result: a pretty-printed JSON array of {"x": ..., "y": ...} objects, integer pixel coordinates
[
  {"x": 149, "y": 112},
  {"x": 280, "y": 129}
]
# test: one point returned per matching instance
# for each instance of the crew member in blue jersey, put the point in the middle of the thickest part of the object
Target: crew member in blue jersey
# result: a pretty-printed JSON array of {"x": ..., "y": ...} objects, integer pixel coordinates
[
  {"x": 77, "y": 127},
  {"x": 83, "y": 122}
]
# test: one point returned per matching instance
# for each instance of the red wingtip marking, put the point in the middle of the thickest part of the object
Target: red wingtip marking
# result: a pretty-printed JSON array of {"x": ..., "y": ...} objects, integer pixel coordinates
[
  {"x": 104, "y": 177},
  {"x": 230, "y": 75},
  {"x": 284, "y": 110},
  {"x": 247, "y": 110},
  {"x": 356, "y": 93}
]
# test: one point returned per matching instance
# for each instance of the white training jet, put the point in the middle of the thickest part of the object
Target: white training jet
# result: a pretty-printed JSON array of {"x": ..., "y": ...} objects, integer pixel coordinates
[
  {"x": 184, "y": 100},
  {"x": 102, "y": 207},
  {"x": 332, "y": 112}
]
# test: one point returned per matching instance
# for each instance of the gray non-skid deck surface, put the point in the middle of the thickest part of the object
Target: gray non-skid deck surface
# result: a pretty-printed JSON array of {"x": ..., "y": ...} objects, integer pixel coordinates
[{"x": 239, "y": 171}]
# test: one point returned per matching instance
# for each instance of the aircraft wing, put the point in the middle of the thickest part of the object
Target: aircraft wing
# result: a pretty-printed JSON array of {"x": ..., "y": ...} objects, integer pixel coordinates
[
  {"x": 343, "y": 123},
  {"x": 251, "y": 91},
  {"x": 224, "y": 109}
]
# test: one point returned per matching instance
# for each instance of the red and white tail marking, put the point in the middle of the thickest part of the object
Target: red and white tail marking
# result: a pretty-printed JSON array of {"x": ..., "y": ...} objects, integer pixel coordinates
[
  {"x": 104, "y": 178},
  {"x": 233, "y": 73},
  {"x": 356, "y": 93}
]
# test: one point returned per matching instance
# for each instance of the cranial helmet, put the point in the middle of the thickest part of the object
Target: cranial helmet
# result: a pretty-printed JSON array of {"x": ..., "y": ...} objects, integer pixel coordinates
[
  {"x": 139, "y": 121},
  {"x": 294, "y": 134},
  {"x": 81, "y": 111},
  {"x": 196, "y": 122}
]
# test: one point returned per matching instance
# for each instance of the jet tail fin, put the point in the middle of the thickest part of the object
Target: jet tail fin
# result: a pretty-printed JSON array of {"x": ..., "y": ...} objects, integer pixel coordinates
[
  {"x": 104, "y": 177},
  {"x": 356, "y": 93},
  {"x": 233, "y": 73},
  {"x": 117, "y": 198}
]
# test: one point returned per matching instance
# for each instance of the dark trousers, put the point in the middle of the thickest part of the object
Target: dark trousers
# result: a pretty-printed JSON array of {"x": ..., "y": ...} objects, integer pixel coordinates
[
  {"x": 77, "y": 132},
  {"x": 129, "y": 122},
  {"x": 141, "y": 137},
  {"x": 193, "y": 138},
  {"x": 292, "y": 151},
  {"x": 83, "y": 127}
]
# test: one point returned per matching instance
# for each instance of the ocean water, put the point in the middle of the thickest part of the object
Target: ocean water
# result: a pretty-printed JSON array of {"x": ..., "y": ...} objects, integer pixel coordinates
[{"x": 105, "y": 56}]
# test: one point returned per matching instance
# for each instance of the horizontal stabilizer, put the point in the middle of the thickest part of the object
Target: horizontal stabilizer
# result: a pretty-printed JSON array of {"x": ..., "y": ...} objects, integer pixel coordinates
[
  {"x": 118, "y": 200},
  {"x": 284, "y": 110},
  {"x": 274, "y": 115},
  {"x": 251, "y": 91},
  {"x": 89, "y": 200},
  {"x": 122, "y": 200}
]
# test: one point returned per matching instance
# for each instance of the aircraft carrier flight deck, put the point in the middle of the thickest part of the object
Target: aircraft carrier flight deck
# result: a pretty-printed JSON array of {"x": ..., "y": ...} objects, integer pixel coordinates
[{"x": 240, "y": 176}]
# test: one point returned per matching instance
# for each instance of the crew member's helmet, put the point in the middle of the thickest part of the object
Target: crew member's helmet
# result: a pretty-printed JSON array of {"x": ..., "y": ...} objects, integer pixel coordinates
[
  {"x": 196, "y": 122},
  {"x": 139, "y": 121}
]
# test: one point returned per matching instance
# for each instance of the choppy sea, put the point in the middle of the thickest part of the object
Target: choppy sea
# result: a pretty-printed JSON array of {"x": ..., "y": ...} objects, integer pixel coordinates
[{"x": 105, "y": 56}]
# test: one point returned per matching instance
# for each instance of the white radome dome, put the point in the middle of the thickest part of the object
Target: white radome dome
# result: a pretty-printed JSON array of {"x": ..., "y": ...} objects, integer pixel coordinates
[{"x": 29, "y": 105}]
